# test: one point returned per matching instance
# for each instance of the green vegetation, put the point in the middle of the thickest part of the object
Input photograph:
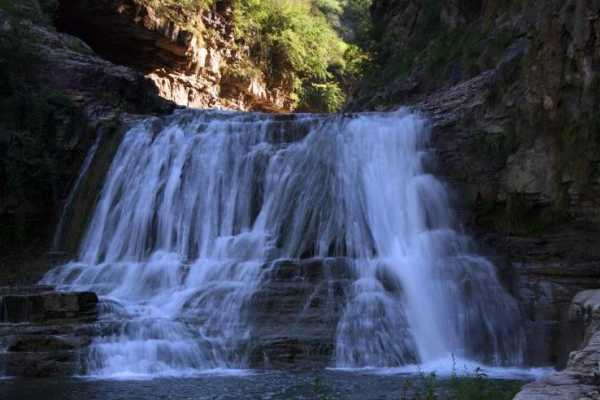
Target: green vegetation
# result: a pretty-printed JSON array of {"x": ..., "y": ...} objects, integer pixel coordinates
[
  {"x": 474, "y": 386},
  {"x": 432, "y": 52},
  {"x": 180, "y": 10},
  {"x": 188, "y": 6},
  {"x": 436, "y": 55},
  {"x": 479, "y": 387},
  {"x": 326, "y": 97},
  {"x": 316, "y": 50},
  {"x": 301, "y": 46}
]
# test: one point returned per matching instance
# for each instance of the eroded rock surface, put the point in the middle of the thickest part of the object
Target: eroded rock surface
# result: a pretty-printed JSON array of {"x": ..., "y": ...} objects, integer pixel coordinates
[
  {"x": 192, "y": 59},
  {"x": 40, "y": 304},
  {"x": 512, "y": 88},
  {"x": 44, "y": 333},
  {"x": 581, "y": 379},
  {"x": 295, "y": 313}
]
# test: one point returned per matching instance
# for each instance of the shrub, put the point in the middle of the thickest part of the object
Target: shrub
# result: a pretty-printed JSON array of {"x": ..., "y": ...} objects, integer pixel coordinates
[
  {"x": 326, "y": 97},
  {"x": 299, "y": 46}
]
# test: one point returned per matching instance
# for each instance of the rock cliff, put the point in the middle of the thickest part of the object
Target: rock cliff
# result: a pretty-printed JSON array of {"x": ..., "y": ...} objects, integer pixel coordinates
[
  {"x": 193, "y": 59},
  {"x": 513, "y": 90}
]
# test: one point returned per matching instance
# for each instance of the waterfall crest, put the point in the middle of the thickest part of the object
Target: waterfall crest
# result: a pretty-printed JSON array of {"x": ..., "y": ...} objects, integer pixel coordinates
[{"x": 196, "y": 208}]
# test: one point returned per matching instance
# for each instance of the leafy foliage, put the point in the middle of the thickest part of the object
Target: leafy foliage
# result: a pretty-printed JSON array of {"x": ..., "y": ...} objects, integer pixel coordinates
[
  {"x": 299, "y": 44},
  {"x": 181, "y": 11},
  {"x": 474, "y": 386},
  {"x": 317, "y": 50},
  {"x": 477, "y": 386},
  {"x": 327, "y": 97}
]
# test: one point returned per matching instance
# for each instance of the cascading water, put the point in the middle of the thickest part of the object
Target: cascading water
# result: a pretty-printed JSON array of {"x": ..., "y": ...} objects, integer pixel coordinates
[{"x": 195, "y": 209}]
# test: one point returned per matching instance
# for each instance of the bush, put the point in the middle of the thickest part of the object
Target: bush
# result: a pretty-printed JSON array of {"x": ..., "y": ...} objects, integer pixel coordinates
[
  {"x": 325, "y": 97},
  {"x": 299, "y": 45},
  {"x": 290, "y": 35}
]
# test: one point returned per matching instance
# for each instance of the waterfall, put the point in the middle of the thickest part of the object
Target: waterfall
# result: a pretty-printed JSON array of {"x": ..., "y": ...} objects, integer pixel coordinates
[{"x": 196, "y": 208}]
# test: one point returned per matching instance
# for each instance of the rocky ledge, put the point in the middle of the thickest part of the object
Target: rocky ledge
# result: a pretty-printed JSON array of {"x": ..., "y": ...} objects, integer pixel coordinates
[
  {"x": 191, "y": 57},
  {"x": 44, "y": 332},
  {"x": 581, "y": 379},
  {"x": 544, "y": 259},
  {"x": 296, "y": 312}
]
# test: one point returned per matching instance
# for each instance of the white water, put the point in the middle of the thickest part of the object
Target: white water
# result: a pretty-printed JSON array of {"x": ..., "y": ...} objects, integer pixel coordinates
[
  {"x": 192, "y": 213},
  {"x": 446, "y": 368}
]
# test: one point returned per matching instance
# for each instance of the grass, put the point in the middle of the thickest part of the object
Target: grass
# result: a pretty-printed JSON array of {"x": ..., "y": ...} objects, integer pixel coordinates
[{"x": 474, "y": 386}]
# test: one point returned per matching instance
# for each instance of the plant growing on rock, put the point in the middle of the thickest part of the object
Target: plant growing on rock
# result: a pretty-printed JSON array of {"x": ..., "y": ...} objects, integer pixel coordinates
[{"x": 296, "y": 43}]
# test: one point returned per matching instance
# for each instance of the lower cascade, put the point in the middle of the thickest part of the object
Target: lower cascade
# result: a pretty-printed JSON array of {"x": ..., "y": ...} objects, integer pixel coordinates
[{"x": 200, "y": 208}]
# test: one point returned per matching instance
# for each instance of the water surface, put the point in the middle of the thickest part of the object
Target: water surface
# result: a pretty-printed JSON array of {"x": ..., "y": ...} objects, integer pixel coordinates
[{"x": 330, "y": 385}]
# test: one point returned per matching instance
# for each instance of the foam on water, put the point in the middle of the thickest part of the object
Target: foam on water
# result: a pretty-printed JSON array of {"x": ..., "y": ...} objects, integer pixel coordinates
[
  {"x": 166, "y": 374},
  {"x": 456, "y": 367},
  {"x": 196, "y": 208}
]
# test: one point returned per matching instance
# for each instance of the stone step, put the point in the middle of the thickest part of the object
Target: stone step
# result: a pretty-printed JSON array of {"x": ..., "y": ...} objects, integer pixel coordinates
[
  {"x": 42, "y": 305},
  {"x": 44, "y": 333}
]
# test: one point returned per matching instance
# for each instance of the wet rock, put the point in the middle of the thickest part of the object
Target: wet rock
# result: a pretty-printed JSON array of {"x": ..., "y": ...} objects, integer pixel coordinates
[
  {"x": 46, "y": 306},
  {"x": 44, "y": 343},
  {"x": 45, "y": 333},
  {"x": 560, "y": 386},
  {"x": 585, "y": 310},
  {"x": 41, "y": 364},
  {"x": 295, "y": 314},
  {"x": 510, "y": 105},
  {"x": 581, "y": 379}
]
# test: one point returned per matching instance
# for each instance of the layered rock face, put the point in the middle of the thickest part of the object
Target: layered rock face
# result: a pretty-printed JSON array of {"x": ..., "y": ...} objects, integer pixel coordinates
[
  {"x": 293, "y": 315},
  {"x": 513, "y": 90},
  {"x": 44, "y": 333},
  {"x": 581, "y": 378},
  {"x": 193, "y": 60},
  {"x": 296, "y": 313}
]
